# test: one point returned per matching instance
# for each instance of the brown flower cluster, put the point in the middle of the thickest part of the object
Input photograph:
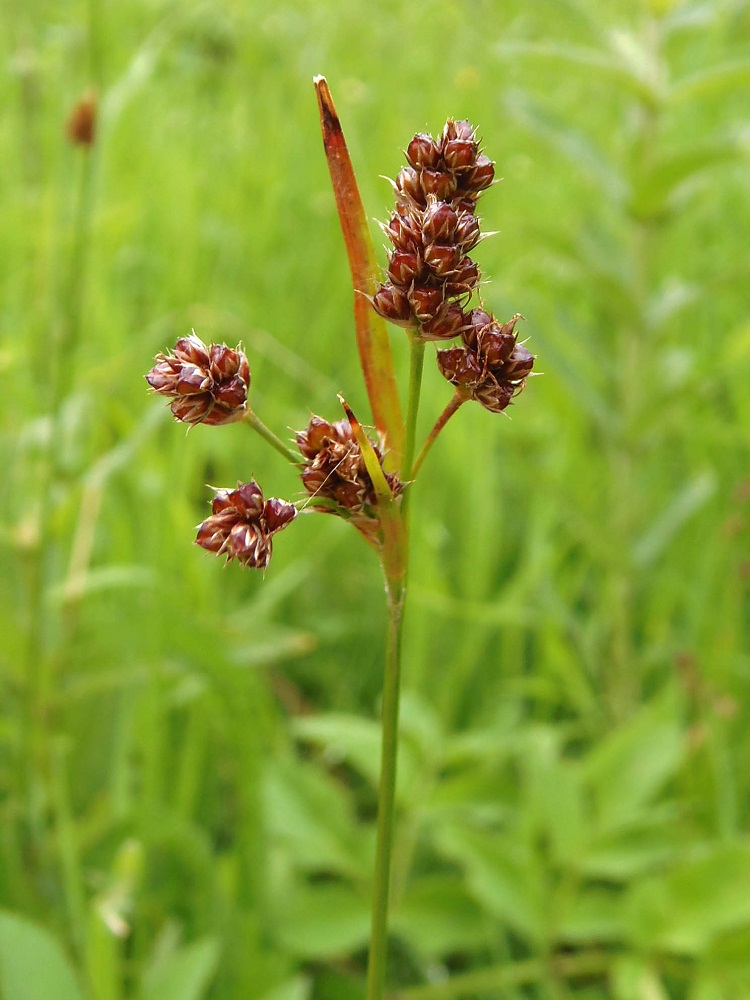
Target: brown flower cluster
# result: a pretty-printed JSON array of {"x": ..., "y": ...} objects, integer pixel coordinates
[
  {"x": 242, "y": 524},
  {"x": 491, "y": 366},
  {"x": 207, "y": 385},
  {"x": 432, "y": 231},
  {"x": 335, "y": 472}
]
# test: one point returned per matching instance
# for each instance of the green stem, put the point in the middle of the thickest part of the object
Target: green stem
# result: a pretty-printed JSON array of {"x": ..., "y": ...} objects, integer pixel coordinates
[
  {"x": 457, "y": 400},
  {"x": 416, "y": 364},
  {"x": 67, "y": 844},
  {"x": 396, "y": 589},
  {"x": 268, "y": 435},
  {"x": 40, "y": 665},
  {"x": 386, "y": 797}
]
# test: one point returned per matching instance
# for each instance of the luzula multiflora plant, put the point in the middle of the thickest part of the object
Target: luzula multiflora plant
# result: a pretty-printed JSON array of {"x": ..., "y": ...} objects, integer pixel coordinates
[{"x": 367, "y": 479}]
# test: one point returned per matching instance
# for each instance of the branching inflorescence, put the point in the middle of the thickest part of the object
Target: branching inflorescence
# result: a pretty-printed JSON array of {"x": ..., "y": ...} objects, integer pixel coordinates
[
  {"x": 366, "y": 479},
  {"x": 429, "y": 283}
]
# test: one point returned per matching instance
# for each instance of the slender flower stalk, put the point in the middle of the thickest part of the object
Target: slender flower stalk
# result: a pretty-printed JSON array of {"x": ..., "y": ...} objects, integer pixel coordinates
[
  {"x": 457, "y": 400},
  {"x": 366, "y": 475},
  {"x": 253, "y": 420},
  {"x": 416, "y": 367}
]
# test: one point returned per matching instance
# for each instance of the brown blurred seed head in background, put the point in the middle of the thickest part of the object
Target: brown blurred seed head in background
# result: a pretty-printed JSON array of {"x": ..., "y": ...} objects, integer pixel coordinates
[
  {"x": 81, "y": 124},
  {"x": 207, "y": 384}
]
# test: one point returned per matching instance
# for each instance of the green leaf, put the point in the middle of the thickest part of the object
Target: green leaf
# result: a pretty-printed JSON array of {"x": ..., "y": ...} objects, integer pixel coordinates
[
  {"x": 726, "y": 78},
  {"x": 372, "y": 335},
  {"x": 357, "y": 741},
  {"x": 687, "y": 502},
  {"x": 33, "y": 964},
  {"x": 297, "y": 988},
  {"x": 684, "y": 910},
  {"x": 324, "y": 921},
  {"x": 438, "y": 915},
  {"x": 346, "y": 737},
  {"x": 604, "y": 66},
  {"x": 182, "y": 974},
  {"x": 503, "y": 876},
  {"x": 592, "y": 917},
  {"x": 623, "y": 854},
  {"x": 553, "y": 793},
  {"x": 310, "y": 815},
  {"x": 633, "y": 978},
  {"x": 570, "y": 143},
  {"x": 628, "y": 767},
  {"x": 660, "y": 182}
]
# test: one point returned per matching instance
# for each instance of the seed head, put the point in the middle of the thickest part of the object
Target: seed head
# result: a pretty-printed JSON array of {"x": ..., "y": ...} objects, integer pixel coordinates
[
  {"x": 492, "y": 366},
  {"x": 335, "y": 470},
  {"x": 207, "y": 385},
  {"x": 81, "y": 125},
  {"x": 429, "y": 277},
  {"x": 242, "y": 524}
]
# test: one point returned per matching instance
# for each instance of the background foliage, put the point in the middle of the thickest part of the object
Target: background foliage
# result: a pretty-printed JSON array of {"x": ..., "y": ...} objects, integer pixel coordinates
[{"x": 187, "y": 753}]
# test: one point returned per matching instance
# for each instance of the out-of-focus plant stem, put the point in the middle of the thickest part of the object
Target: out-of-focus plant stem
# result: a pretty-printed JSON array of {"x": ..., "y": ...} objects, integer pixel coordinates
[{"x": 40, "y": 663}]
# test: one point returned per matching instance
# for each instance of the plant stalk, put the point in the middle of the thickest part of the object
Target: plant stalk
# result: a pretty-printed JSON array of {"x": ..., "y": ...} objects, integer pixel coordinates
[
  {"x": 268, "y": 435},
  {"x": 416, "y": 365},
  {"x": 396, "y": 590},
  {"x": 376, "y": 965},
  {"x": 456, "y": 400}
]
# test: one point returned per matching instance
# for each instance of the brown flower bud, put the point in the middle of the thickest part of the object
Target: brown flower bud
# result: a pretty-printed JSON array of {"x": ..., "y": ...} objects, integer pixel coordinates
[
  {"x": 404, "y": 268},
  {"x": 241, "y": 525},
  {"x": 422, "y": 151},
  {"x": 459, "y": 154},
  {"x": 467, "y": 232},
  {"x": 207, "y": 385},
  {"x": 439, "y": 183},
  {"x": 480, "y": 176},
  {"x": 442, "y": 258},
  {"x": 461, "y": 129},
  {"x": 408, "y": 183},
  {"x": 461, "y": 367},
  {"x": 393, "y": 304},
  {"x": 464, "y": 278},
  {"x": 439, "y": 222},
  {"x": 403, "y": 230},
  {"x": 446, "y": 325},
  {"x": 426, "y": 302},
  {"x": 466, "y": 203},
  {"x": 81, "y": 125},
  {"x": 478, "y": 320}
]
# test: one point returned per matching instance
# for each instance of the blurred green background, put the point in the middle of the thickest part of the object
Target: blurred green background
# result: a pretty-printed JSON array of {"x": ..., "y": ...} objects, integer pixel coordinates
[{"x": 188, "y": 753}]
